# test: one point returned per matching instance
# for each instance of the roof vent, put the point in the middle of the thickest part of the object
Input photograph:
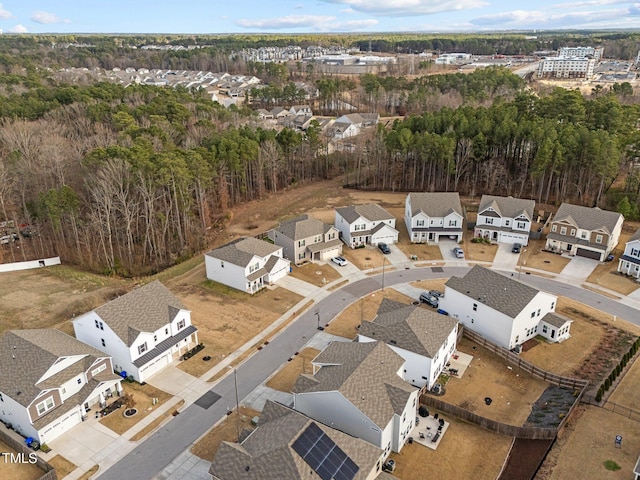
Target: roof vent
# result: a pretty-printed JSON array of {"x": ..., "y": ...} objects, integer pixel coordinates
[{"x": 247, "y": 468}]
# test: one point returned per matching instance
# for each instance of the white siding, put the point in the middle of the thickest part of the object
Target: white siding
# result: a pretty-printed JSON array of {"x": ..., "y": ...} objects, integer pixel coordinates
[{"x": 226, "y": 273}]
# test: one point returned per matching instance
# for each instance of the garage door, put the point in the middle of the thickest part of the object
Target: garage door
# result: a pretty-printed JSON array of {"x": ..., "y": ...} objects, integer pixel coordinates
[
  {"x": 61, "y": 425},
  {"x": 581, "y": 252},
  {"x": 156, "y": 366},
  {"x": 334, "y": 252}
]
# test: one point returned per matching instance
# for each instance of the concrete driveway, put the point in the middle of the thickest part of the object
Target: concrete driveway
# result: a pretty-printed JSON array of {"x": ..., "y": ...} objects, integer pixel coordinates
[
  {"x": 179, "y": 383},
  {"x": 577, "y": 270},
  {"x": 296, "y": 285},
  {"x": 506, "y": 260},
  {"x": 446, "y": 250},
  {"x": 397, "y": 256},
  {"x": 348, "y": 270}
]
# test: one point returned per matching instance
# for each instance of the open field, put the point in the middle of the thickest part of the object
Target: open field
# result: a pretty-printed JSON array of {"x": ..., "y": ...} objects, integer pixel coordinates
[
  {"x": 344, "y": 325},
  {"x": 207, "y": 446},
  {"x": 587, "y": 442},
  {"x": 466, "y": 451},
  {"x": 513, "y": 392},
  {"x": 17, "y": 471},
  {"x": 287, "y": 375},
  {"x": 142, "y": 394}
]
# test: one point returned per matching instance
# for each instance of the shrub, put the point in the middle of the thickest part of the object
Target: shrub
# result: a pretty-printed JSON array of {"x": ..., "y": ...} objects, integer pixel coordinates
[
  {"x": 611, "y": 465},
  {"x": 607, "y": 384},
  {"x": 599, "y": 395}
]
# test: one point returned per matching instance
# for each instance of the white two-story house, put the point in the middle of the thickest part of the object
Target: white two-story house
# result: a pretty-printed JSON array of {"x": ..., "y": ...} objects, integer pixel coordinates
[
  {"x": 305, "y": 239},
  {"x": 366, "y": 225},
  {"x": 425, "y": 339},
  {"x": 49, "y": 381},
  {"x": 287, "y": 445},
  {"x": 585, "y": 232},
  {"x": 246, "y": 264},
  {"x": 357, "y": 388},
  {"x": 433, "y": 216},
  {"x": 503, "y": 310},
  {"x": 629, "y": 262},
  {"x": 144, "y": 330},
  {"x": 504, "y": 219}
]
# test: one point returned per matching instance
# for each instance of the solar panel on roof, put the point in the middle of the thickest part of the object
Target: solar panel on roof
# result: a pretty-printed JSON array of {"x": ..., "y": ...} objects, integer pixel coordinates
[{"x": 321, "y": 453}]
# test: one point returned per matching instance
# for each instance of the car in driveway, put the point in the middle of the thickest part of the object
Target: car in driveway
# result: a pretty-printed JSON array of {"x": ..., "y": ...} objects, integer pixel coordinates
[
  {"x": 458, "y": 252},
  {"x": 340, "y": 261},
  {"x": 384, "y": 248},
  {"x": 426, "y": 297},
  {"x": 516, "y": 248},
  {"x": 436, "y": 293}
]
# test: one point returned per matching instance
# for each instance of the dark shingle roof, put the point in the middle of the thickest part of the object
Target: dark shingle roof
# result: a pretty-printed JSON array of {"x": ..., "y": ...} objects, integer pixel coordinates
[
  {"x": 501, "y": 293},
  {"x": 145, "y": 309},
  {"x": 362, "y": 372},
  {"x": 508, "y": 206},
  {"x": 266, "y": 454},
  {"x": 435, "y": 204},
  {"x": 587, "y": 218},
  {"x": 27, "y": 355},
  {"x": 242, "y": 250},
  {"x": 302, "y": 227},
  {"x": 372, "y": 212},
  {"x": 555, "y": 319},
  {"x": 409, "y": 327},
  {"x": 635, "y": 236}
]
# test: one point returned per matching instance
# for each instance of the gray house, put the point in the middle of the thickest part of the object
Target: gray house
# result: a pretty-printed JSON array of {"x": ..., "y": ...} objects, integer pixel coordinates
[{"x": 305, "y": 238}]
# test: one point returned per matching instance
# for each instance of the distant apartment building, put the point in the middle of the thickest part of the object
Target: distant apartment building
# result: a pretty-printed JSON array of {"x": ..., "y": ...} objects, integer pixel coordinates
[
  {"x": 453, "y": 58},
  {"x": 566, "y": 67},
  {"x": 595, "y": 52}
]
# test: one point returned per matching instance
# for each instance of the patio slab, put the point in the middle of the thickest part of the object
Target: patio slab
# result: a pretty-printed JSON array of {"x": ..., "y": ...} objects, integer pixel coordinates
[
  {"x": 459, "y": 361},
  {"x": 427, "y": 430}
]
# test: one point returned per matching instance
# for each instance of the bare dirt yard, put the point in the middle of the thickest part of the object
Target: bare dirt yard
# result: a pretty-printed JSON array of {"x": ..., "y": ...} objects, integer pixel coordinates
[
  {"x": 587, "y": 442},
  {"x": 512, "y": 391},
  {"x": 466, "y": 451},
  {"x": 605, "y": 275},
  {"x": 207, "y": 446},
  {"x": 288, "y": 374},
  {"x": 365, "y": 258},
  {"x": 17, "y": 471},
  {"x": 627, "y": 392},
  {"x": 477, "y": 252},
  {"x": 533, "y": 256},
  {"x": 63, "y": 466},
  {"x": 315, "y": 274},
  {"x": 143, "y": 395},
  {"x": 344, "y": 325}
]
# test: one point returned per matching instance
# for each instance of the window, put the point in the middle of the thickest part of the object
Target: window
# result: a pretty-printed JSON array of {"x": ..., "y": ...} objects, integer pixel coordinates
[
  {"x": 583, "y": 235},
  {"x": 538, "y": 312},
  {"x": 573, "y": 232},
  {"x": 635, "y": 252},
  {"x": 79, "y": 380},
  {"x": 221, "y": 263},
  {"x": 1, "y": 399},
  {"x": 554, "y": 228},
  {"x": 142, "y": 348},
  {"x": 155, "y": 338},
  {"x": 317, "y": 239},
  {"x": 166, "y": 331},
  {"x": 181, "y": 324},
  {"x": 475, "y": 307},
  {"x": 563, "y": 230},
  {"x": 99, "y": 369},
  {"x": 553, "y": 304},
  {"x": 45, "y": 405},
  {"x": 301, "y": 243},
  {"x": 419, "y": 223},
  {"x": 533, "y": 314},
  {"x": 453, "y": 223},
  {"x": 488, "y": 221},
  {"x": 544, "y": 329},
  {"x": 598, "y": 238},
  {"x": 506, "y": 223},
  {"x": 301, "y": 256},
  {"x": 255, "y": 266},
  {"x": 99, "y": 325},
  {"x": 104, "y": 344}
]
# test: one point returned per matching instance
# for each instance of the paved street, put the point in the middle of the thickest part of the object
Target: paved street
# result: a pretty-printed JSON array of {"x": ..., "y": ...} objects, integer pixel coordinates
[{"x": 171, "y": 440}]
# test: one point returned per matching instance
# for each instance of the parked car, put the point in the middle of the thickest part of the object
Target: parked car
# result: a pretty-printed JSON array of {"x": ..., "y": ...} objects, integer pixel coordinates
[
  {"x": 436, "y": 293},
  {"x": 340, "y": 261},
  {"x": 609, "y": 258},
  {"x": 458, "y": 252},
  {"x": 384, "y": 248},
  {"x": 426, "y": 297},
  {"x": 516, "y": 248}
]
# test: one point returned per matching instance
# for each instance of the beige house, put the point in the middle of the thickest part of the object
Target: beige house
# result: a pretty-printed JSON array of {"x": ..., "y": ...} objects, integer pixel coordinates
[
  {"x": 584, "y": 231},
  {"x": 305, "y": 238}
]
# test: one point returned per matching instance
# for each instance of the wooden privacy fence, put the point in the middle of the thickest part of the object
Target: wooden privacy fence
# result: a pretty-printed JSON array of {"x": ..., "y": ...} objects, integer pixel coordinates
[
  {"x": 514, "y": 359},
  {"x": 613, "y": 407},
  {"x": 19, "y": 446}
]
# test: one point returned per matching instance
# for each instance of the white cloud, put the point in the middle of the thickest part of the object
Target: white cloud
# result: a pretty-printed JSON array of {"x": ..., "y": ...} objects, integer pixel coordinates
[
  {"x": 299, "y": 6},
  {"x": 46, "y": 18},
  {"x": 4, "y": 14},
  {"x": 408, "y": 8},
  {"x": 309, "y": 22},
  {"x": 18, "y": 29}
]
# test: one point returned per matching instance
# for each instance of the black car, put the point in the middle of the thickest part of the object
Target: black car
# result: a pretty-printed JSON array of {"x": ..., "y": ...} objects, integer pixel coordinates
[
  {"x": 429, "y": 299},
  {"x": 516, "y": 248},
  {"x": 436, "y": 293},
  {"x": 384, "y": 248}
]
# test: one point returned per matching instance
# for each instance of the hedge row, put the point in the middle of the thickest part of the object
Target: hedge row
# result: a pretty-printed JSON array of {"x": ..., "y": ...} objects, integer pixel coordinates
[{"x": 616, "y": 371}]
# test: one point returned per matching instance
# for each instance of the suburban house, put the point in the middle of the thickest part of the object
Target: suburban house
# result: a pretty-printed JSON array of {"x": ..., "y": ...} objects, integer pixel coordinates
[
  {"x": 585, "y": 232},
  {"x": 358, "y": 388},
  {"x": 433, "y": 216},
  {"x": 365, "y": 225},
  {"x": 287, "y": 445},
  {"x": 279, "y": 112},
  {"x": 504, "y": 219},
  {"x": 144, "y": 330},
  {"x": 247, "y": 264},
  {"x": 305, "y": 238},
  {"x": 503, "y": 310},
  {"x": 301, "y": 110},
  {"x": 264, "y": 114},
  {"x": 49, "y": 381},
  {"x": 423, "y": 338},
  {"x": 629, "y": 262}
]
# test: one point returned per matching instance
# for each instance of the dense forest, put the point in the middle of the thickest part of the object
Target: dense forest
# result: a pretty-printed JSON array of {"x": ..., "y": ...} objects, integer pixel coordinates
[{"x": 130, "y": 180}]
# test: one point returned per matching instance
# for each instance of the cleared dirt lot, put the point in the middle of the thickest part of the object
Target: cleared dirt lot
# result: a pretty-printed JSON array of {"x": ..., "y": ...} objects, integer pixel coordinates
[{"x": 315, "y": 274}]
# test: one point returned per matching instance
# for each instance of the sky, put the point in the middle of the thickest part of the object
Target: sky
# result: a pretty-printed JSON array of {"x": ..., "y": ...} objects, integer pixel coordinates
[{"x": 312, "y": 16}]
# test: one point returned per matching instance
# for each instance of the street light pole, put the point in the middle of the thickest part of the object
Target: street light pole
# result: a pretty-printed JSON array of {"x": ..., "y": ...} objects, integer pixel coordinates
[
  {"x": 318, "y": 318},
  {"x": 384, "y": 259},
  {"x": 520, "y": 261},
  {"x": 235, "y": 379}
]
